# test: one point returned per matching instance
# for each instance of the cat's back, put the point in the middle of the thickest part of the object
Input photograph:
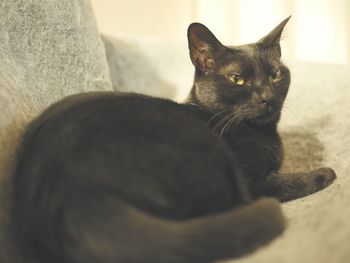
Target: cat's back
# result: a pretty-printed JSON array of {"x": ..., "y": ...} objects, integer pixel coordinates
[
  {"x": 100, "y": 117},
  {"x": 156, "y": 154}
]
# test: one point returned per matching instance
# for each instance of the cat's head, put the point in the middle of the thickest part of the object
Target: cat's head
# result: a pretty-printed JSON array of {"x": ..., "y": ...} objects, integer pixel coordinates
[{"x": 249, "y": 81}]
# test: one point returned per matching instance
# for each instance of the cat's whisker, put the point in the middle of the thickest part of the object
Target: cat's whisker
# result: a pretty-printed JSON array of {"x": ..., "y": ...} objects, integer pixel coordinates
[
  {"x": 224, "y": 127},
  {"x": 233, "y": 121},
  {"x": 222, "y": 123},
  {"x": 219, "y": 126},
  {"x": 217, "y": 115},
  {"x": 227, "y": 126},
  {"x": 226, "y": 123}
]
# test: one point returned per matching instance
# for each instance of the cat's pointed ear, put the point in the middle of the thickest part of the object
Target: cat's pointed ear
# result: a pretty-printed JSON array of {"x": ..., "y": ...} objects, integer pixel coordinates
[
  {"x": 272, "y": 39},
  {"x": 204, "y": 47}
]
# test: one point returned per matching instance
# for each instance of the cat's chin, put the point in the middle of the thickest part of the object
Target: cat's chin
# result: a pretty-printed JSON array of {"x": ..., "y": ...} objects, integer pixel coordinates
[{"x": 265, "y": 119}]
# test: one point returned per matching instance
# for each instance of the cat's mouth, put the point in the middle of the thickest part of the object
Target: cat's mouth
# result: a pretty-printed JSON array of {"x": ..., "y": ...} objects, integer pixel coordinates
[{"x": 265, "y": 116}]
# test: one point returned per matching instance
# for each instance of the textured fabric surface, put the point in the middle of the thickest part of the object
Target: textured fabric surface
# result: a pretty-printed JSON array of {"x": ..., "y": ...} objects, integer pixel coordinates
[
  {"x": 315, "y": 128},
  {"x": 148, "y": 65},
  {"x": 48, "y": 49}
]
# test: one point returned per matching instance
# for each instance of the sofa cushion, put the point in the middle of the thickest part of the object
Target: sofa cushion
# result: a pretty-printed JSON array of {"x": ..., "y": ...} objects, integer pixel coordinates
[{"x": 48, "y": 49}]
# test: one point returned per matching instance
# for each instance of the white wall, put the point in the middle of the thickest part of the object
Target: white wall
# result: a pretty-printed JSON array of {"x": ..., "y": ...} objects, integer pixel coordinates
[
  {"x": 164, "y": 18},
  {"x": 319, "y": 29}
]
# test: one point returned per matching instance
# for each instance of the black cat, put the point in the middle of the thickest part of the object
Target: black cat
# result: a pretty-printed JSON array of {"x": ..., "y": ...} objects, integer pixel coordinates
[
  {"x": 244, "y": 88},
  {"x": 105, "y": 177}
]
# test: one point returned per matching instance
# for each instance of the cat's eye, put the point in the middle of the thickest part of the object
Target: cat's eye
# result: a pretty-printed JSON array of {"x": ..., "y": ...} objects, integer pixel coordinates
[
  {"x": 236, "y": 79},
  {"x": 276, "y": 75}
]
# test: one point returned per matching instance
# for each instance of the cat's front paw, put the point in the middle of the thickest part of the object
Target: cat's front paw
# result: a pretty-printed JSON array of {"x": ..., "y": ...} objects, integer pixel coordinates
[{"x": 323, "y": 177}]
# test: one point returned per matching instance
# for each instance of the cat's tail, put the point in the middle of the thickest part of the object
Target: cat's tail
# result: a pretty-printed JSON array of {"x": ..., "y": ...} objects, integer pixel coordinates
[{"x": 109, "y": 231}]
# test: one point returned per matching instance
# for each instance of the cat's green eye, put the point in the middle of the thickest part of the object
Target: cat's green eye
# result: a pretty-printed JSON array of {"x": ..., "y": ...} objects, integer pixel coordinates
[
  {"x": 236, "y": 79},
  {"x": 276, "y": 75}
]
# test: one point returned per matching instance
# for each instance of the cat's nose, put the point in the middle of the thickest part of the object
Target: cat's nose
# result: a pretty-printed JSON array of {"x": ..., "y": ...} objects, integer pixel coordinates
[{"x": 266, "y": 97}]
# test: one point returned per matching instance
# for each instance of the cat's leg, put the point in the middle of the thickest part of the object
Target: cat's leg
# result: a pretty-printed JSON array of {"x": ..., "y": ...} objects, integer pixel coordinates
[{"x": 291, "y": 186}]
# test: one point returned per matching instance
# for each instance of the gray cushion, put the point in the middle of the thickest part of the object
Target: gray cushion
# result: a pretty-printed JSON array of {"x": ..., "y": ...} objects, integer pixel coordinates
[{"x": 48, "y": 49}]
